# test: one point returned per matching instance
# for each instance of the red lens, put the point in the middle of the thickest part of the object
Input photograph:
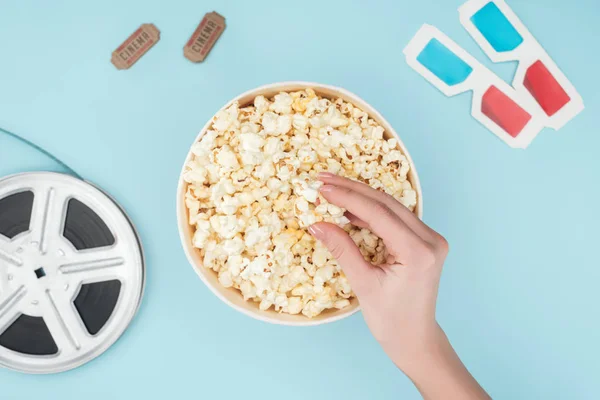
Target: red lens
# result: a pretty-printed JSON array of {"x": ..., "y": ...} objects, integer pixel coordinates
[
  {"x": 545, "y": 89},
  {"x": 501, "y": 109}
]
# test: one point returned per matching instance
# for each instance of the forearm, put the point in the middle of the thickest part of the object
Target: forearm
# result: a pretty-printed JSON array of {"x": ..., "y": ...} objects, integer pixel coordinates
[{"x": 439, "y": 373}]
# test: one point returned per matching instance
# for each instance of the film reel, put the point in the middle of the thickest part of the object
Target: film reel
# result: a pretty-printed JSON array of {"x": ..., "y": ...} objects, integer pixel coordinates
[{"x": 71, "y": 272}]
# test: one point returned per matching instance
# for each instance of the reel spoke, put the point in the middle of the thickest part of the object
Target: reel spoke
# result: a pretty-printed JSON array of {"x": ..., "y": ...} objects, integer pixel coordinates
[
  {"x": 9, "y": 307},
  {"x": 47, "y": 216}
]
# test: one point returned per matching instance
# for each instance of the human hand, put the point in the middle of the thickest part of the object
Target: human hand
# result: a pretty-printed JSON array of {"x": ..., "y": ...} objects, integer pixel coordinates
[{"x": 398, "y": 298}]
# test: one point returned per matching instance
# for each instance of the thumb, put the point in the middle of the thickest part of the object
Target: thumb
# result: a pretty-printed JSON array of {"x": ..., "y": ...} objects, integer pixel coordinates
[{"x": 345, "y": 251}]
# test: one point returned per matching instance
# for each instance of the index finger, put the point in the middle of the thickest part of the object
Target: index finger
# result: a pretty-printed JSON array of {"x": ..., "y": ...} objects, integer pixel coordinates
[
  {"x": 403, "y": 212},
  {"x": 382, "y": 221}
]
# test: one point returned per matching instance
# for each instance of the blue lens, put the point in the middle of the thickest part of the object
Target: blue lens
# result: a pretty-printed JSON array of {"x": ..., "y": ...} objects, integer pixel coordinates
[
  {"x": 496, "y": 29},
  {"x": 444, "y": 63}
]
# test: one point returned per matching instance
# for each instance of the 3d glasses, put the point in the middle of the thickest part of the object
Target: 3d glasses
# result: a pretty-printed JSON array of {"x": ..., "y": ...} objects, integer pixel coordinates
[
  {"x": 503, "y": 37},
  {"x": 453, "y": 71}
]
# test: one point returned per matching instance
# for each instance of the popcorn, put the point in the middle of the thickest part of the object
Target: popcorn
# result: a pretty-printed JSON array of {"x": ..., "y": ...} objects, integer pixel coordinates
[
  {"x": 265, "y": 304},
  {"x": 264, "y": 171},
  {"x": 284, "y": 173},
  {"x": 261, "y": 105},
  {"x": 252, "y": 158},
  {"x": 226, "y": 226},
  {"x": 300, "y": 140},
  {"x": 284, "y": 124},
  {"x": 323, "y": 275},
  {"x": 248, "y": 290},
  {"x": 255, "y": 235},
  {"x": 341, "y": 304},
  {"x": 225, "y": 278},
  {"x": 222, "y": 121},
  {"x": 294, "y": 305},
  {"x": 282, "y": 103},
  {"x": 300, "y": 122},
  {"x": 228, "y": 205},
  {"x": 320, "y": 256},
  {"x": 235, "y": 264},
  {"x": 307, "y": 156},
  {"x": 261, "y": 282},
  {"x": 226, "y": 158},
  {"x": 245, "y": 198},
  {"x": 409, "y": 199},
  {"x": 303, "y": 290},
  {"x": 274, "y": 147},
  {"x": 393, "y": 155},
  {"x": 334, "y": 118},
  {"x": 203, "y": 231},
  {"x": 251, "y": 142},
  {"x": 274, "y": 184},
  {"x": 281, "y": 301},
  {"x": 335, "y": 211},
  {"x": 253, "y": 190},
  {"x": 196, "y": 175},
  {"x": 301, "y": 206},
  {"x": 233, "y": 247},
  {"x": 312, "y": 309},
  {"x": 260, "y": 193},
  {"x": 259, "y": 267},
  {"x": 269, "y": 122}
]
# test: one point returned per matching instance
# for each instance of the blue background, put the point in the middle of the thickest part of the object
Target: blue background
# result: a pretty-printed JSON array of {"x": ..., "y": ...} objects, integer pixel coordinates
[{"x": 519, "y": 294}]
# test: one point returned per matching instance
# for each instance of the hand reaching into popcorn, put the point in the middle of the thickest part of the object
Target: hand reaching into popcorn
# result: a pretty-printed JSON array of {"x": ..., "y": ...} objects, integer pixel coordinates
[{"x": 398, "y": 298}]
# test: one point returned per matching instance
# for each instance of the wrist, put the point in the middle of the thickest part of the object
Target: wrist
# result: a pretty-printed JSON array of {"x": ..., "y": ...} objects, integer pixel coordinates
[
  {"x": 429, "y": 349},
  {"x": 438, "y": 372}
]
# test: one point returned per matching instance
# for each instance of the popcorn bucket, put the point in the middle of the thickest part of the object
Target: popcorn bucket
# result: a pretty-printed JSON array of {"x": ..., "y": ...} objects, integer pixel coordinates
[{"x": 233, "y": 297}]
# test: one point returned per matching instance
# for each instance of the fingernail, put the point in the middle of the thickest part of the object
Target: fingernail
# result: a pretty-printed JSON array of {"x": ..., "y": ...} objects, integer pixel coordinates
[
  {"x": 325, "y": 175},
  {"x": 326, "y": 188},
  {"x": 316, "y": 231}
]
